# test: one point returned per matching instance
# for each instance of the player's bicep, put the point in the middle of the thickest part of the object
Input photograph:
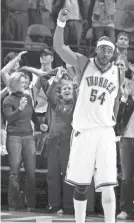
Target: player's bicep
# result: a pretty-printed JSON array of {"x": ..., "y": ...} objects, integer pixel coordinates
[
  {"x": 72, "y": 58},
  {"x": 83, "y": 63},
  {"x": 68, "y": 56}
]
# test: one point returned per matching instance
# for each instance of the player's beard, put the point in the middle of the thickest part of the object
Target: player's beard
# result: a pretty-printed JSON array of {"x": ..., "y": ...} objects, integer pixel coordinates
[{"x": 102, "y": 62}]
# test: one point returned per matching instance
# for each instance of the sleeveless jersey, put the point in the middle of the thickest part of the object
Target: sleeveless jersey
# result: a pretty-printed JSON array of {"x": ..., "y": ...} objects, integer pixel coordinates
[{"x": 96, "y": 97}]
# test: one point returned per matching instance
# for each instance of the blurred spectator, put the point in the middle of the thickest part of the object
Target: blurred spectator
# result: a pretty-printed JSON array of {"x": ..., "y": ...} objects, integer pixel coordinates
[
  {"x": 103, "y": 19},
  {"x": 46, "y": 59},
  {"x": 59, "y": 144},
  {"x": 34, "y": 12},
  {"x": 125, "y": 15},
  {"x": 37, "y": 35},
  {"x": 87, "y": 3},
  {"x": 45, "y": 12},
  {"x": 16, "y": 23},
  {"x": 122, "y": 45},
  {"x": 33, "y": 88},
  {"x": 18, "y": 111},
  {"x": 121, "y": 64},
  {"x": 11, "y": 62},
  {"x": 125, "y": 123},
  {"x": 73, "y": 29}
]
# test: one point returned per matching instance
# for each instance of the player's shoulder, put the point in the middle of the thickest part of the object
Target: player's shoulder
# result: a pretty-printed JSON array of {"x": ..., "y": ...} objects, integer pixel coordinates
[{"x": 114, "y": 68}]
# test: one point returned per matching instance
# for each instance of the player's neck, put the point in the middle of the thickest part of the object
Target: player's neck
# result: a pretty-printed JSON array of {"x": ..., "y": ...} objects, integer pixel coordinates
[{"x": 100, "y": 66}]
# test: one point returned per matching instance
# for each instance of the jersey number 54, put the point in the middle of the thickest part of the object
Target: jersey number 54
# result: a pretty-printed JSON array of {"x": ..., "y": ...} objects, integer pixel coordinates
[{"x": 95, "y": 96}]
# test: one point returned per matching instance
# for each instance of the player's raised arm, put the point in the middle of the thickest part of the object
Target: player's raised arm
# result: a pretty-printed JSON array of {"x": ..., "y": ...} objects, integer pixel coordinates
[{"x": 67, "y": 55}]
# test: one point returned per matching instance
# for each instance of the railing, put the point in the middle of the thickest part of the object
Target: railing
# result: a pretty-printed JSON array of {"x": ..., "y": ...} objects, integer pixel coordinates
[{"x": 17, "y": 46}]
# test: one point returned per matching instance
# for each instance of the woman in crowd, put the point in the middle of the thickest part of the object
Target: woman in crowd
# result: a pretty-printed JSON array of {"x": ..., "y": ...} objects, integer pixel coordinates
[
  {"x": 59, "y": 144},
  {"x": 11, "y": 62},
  {"x": 125, "y": 128},
  {"x": 18, "y": 112}
]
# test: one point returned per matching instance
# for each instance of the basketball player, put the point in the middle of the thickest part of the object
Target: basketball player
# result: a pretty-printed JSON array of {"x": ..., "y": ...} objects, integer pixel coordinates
[{"x": 93, "y": 148}]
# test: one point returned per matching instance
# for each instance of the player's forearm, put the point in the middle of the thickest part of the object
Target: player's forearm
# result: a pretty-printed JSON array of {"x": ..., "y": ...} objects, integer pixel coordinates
[{"x": 66, "y": 54}]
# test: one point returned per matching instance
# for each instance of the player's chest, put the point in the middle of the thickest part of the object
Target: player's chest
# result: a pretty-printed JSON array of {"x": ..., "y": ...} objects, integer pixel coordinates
[
  {"x": 97, "y": 87},
  {"x": 107, "y": 82}
]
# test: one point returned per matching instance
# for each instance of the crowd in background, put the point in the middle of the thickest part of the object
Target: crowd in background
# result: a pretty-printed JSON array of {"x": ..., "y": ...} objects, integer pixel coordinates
[
  {"x": 35, "y": 21},
  {"x": 42, "y": 100}
]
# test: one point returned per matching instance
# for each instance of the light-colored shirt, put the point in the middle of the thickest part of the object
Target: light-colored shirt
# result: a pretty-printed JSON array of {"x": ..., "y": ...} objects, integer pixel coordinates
[
  {"x": 41, "y": 99},
  {"x": 129, "y": 132},
  {"x": 73, "y": 7}
]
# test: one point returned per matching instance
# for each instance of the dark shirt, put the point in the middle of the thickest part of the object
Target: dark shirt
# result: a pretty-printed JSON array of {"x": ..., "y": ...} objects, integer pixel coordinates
[
  {"x": 124, "y": 114},
  {"x": 17, "y": 5},
  {"x": 63, "y": 114},
  {"x": 19, "y": 122}
]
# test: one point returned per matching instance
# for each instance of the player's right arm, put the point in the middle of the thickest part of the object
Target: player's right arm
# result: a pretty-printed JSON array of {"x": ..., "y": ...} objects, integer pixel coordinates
[{"x": 67, "y": 55}]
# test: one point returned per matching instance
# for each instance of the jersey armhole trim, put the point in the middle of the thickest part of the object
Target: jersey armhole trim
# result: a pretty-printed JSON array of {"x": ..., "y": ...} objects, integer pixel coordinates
[{"x": 86, "y": 64}]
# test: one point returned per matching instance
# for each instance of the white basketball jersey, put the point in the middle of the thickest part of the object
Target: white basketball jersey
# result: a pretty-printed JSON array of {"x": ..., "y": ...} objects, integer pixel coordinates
[{"x": 96, "y": 97}]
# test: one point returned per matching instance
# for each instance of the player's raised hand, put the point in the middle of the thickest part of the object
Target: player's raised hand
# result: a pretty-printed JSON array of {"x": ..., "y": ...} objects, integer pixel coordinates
[{"x": 63, "y": 15}]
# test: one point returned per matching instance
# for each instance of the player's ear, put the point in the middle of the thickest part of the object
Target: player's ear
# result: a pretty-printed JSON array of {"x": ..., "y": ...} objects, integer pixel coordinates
[{"x": 96, "y": 49}]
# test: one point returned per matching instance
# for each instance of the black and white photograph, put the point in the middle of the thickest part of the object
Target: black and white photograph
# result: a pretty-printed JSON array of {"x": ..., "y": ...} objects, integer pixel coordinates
[{"x": 67, "y": 111}]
